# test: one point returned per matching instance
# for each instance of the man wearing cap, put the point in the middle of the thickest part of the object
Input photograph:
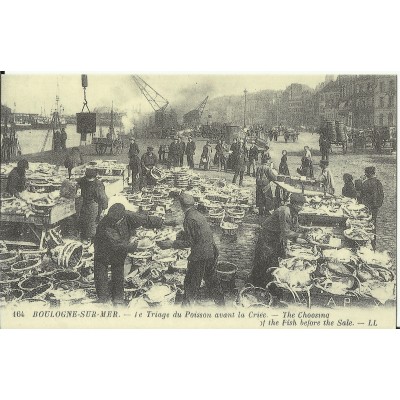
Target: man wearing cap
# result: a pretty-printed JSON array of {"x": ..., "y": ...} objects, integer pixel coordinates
[
  {"x": 133, "y": 148},
  {"x": 112, "y": 243},
  {"x": 372, "y": 195},
  {"x": 203, "y": 257},
  {"x": 326, "y": 177},
  {"x": 190, "y": 150},
  {"x": 16, "y": 181},
  {"x": 149, "y": 161},
  {"x": 281, "y": 225},
  {"x": 94, "y": 202}
]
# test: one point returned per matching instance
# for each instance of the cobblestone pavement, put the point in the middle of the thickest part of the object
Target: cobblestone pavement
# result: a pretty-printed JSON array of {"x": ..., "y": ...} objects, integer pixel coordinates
[{"x": 240, "y": 251}]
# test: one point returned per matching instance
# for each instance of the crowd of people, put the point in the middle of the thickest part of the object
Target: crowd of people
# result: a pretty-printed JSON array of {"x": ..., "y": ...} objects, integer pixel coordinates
[
  {"x": 111, "y": 233},
  {"x": 240, "y": 158}
]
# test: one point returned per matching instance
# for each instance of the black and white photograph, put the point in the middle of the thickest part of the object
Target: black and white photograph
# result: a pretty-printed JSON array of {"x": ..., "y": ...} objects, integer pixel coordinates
[{"x": 198, "y": 200}]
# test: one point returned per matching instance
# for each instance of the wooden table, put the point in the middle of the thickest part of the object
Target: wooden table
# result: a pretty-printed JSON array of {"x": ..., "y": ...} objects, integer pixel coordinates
[
  {"x": 291, "y": 189},
  {"x": 40, "y": 224}
]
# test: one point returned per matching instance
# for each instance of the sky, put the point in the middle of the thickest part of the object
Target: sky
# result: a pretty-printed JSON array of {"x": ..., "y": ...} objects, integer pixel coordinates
[{"x": 33, "y": 93}]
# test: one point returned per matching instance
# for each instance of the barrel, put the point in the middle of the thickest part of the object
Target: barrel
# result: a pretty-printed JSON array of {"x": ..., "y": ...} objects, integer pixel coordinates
[{"x": 68, "y": 255}]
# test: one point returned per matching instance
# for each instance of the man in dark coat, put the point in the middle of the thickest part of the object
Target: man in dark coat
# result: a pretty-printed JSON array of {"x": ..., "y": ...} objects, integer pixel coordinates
[
  {"x": 372, "y": 195},
  {"x": 231, "y": 161},
  {"x": 111, "y": 246},
  {"x": 190, "y": 150},
  {"x": 253, "y": 158},
  {"x": 234, "y": 147},
  {"x": 94, "y": 202},
  {"x": 16, "y": 181},
  {"x": 149, "y": 161},
  {"x": 281, "y": 225},
  {"x": 57, "y": 141},
  {"x": 133, "y": 148},
  {"x": 135, "y": 165},
  {"x": 173, "y": 153},
  {"x": 324, "y": 146},
  {"x": 203, "y": 257},
  {"x": 240, "y": 163},
  {"x": 182, "y": 149}
]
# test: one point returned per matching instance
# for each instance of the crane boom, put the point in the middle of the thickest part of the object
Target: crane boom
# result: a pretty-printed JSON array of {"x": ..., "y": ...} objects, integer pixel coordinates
[
  {"x": 157, "y": 102},
  {"x": 194, "y": 116},
  {"x": 202, "y": 106}
]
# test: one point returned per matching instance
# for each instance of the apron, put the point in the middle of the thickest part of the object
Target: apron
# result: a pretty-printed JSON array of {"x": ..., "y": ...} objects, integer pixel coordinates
[
  {"x": 268, "y": 249},
  {"x": 88, "y": 219}
]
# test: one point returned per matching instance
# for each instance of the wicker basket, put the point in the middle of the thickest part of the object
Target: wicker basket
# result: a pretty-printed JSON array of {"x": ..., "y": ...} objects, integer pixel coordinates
[
  {"x": 226, "y": 271},
  {"x": 25, "y": 265},
  {"x": 8, "y": 258},
  {"x": 216, "y": 216},
  {"x": 252, "y": 296},
  {"x": 230, "y": 230},
  {"x": 235, "y": 216}
]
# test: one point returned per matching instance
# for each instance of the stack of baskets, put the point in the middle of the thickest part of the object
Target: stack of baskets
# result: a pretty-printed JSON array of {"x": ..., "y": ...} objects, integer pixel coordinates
[
  {"x": 181, "y": 179},
  {"x": 194, "y": 181},
  {"x": 170, "y": 179}
]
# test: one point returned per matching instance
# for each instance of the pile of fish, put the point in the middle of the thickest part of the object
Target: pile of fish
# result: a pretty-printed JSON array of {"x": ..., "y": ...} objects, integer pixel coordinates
[
  {"x": 51, "y": 275},
  {"x": 360, "y": 273},
  {"x": 340, "y": 207},
  {"x": 44, "y": 182},
  {"x": 329, "y": 206},
  {"x": 323, "y": 237},
  {"x": 31, "y": 203}
]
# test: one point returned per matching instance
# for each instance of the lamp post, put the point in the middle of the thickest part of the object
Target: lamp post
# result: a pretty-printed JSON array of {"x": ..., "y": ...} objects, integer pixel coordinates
[{"x": 245, "y": 106}]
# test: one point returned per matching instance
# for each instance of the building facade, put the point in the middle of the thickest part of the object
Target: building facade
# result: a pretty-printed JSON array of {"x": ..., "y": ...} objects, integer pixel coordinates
[{"x": 385, "y": 101}]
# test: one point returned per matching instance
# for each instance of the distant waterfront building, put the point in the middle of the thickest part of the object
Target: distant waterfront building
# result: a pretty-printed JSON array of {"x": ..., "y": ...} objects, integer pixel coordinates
[{"x": 385, "y": 101}]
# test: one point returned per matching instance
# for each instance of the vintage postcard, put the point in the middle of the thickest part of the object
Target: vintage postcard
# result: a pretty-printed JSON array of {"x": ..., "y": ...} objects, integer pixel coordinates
[{"x": 198, "y": 201}]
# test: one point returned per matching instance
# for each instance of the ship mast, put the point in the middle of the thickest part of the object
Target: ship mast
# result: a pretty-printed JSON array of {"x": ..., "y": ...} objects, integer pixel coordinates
[
  {"x": 112, "y": 121},
  {"x": 55, "y": 123}
]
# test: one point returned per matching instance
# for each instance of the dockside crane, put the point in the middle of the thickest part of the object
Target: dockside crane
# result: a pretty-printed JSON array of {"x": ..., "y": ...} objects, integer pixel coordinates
[
  {"x": 155, "y": 99},
  {"x": 194, "y": 116}
]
